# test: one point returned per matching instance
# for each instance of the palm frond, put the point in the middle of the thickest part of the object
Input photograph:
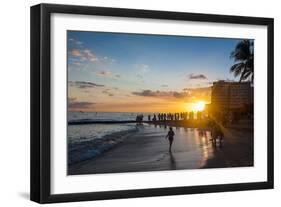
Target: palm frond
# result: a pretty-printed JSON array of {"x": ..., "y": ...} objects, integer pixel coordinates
[
  {"x": 243, "y": 54},
  {"x": 237, "y": 69}
]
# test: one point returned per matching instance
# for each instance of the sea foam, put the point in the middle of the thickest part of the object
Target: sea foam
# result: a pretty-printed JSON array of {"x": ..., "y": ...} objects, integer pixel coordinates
[{"x": 91, "y": 148}]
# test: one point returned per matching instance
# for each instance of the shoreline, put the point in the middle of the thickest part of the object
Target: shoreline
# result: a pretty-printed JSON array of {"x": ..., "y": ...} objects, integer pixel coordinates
[
  {"x": 95, "y": 147},
  {"x": 180, "y": 123},
  {"x": 147, "y": 150}
]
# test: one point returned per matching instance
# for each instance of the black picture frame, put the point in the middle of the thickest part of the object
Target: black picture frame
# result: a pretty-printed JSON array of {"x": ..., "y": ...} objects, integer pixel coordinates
[{"x": 41, "y": 97}]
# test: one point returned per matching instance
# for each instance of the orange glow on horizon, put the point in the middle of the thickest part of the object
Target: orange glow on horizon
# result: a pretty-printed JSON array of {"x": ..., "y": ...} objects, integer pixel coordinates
[
  {"x": 146, "y": 107},
  {"x": 198, "y": 106}
]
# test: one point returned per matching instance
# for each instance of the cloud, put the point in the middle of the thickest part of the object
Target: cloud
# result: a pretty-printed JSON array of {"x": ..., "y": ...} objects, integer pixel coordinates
[
  {"x": 181, "y": 94},
  {"x": 89, "y": 55},
  {"x": 79, "y": 105},
  {"x": 108, "y": 59},
  {"x": 164, "y": 85},
  {"x": 197, "y": 76},
  {"x": 104, "y": 73},
  {"x": 143, "y": 68},
  {"x": 107, "y": 91},
  {"x": 157, "y": 93},
  {"x": 83, "y": 54},
  {"x": 186, "y": 93},
  {"x": 75, "y": 52},
  {"x": 108, "y": 74},
  {"x": 74, "y": 41},
  {"x": 78, "y": 63},
  {"x": 84, "y": 84},
  {"x": 199, "y": 92},
  {"x": 79, "y": 52}
]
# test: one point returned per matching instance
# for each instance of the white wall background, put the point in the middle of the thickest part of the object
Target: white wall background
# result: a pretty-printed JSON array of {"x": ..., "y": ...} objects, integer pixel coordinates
[{"x": 14, "y": 104}]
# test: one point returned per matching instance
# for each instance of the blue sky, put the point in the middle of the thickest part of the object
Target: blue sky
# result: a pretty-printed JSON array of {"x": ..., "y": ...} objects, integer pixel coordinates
[{"x": 134, "y": 63}]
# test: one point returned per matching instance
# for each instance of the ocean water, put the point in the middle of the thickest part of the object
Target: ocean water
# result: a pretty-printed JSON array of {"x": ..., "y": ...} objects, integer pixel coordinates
[
  {"x": 90, "y": 140},
  {"x": 104, "y": 116}
]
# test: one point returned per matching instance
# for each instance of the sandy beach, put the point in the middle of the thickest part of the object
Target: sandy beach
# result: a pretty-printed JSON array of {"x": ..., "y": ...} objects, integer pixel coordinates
[{"x": 147, "y": 150}]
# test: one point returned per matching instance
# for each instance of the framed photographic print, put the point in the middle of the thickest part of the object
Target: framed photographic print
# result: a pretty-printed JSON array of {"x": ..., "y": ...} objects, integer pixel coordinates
[{"x": 133, "y": 103}]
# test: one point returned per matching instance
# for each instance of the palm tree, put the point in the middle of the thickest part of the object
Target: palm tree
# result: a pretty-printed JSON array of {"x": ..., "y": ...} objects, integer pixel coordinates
[{"x": 243, "y": 56}]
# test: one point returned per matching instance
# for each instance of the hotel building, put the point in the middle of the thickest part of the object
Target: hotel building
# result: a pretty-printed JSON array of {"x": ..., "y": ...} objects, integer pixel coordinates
[{"x": 230, "y": 96}]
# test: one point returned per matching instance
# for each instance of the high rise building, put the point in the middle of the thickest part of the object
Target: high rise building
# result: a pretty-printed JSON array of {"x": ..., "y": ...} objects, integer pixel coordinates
[{"x": 229, "y": 96}]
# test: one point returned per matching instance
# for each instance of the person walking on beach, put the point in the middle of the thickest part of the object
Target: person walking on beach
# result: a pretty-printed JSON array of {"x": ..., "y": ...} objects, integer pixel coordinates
[{"x": 170, "y": 136}]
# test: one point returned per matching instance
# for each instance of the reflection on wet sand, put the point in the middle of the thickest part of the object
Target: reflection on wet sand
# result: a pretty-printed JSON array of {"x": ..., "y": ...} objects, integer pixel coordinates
[
  {"x": 148, "y": 150},
  {"x": 173, "y": 164}
]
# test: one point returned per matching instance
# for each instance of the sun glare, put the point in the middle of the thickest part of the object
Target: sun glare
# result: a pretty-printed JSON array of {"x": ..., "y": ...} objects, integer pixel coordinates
[{"x": 198, "y": 106}]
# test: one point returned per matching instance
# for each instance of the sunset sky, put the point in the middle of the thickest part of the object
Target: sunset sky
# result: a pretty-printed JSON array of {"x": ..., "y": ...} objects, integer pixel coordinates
[{"x": 115, "y": 72}]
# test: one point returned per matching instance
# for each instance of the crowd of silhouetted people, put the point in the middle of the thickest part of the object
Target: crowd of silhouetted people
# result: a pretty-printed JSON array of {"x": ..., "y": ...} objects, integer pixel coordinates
[
  {"x": 174, "y": 116},
  {"x": 139, "y": 118},
  {"x": 214, "y": 126}
]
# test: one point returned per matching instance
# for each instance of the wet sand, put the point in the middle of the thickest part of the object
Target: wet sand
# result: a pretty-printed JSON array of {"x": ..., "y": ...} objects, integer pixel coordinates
[
  {"x": 147, "y": 150},
  {"x": 237, "y": 150}
]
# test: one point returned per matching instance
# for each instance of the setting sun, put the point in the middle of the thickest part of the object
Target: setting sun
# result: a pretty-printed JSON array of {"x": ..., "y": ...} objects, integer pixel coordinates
[{"x": 198, "y": 106}]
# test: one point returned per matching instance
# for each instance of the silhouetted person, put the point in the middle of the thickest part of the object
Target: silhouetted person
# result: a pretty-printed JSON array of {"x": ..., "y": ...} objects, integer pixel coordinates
[
  {"x": 216, "y": 133},
  {"x": 139, "y": 118},
  {"x": 170, "y": 136},
  {"x": 154, "y": 118},
  {"x": 199, "y": 115},
  {"x": 191, "y": 115},
  {"x": 185, "y": 115},
  {"x": 149, "y": 117}
]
